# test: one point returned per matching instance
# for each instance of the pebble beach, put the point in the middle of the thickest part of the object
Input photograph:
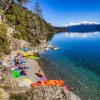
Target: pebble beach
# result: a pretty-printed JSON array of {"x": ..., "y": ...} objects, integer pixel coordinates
[{"x": 31, "y": 63}]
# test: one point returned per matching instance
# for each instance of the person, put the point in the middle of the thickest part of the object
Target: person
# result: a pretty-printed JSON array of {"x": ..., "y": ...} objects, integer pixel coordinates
[
  {"x": 1, "y": 63},
  {"x": 40, "y": 73},
  {"x": 17, "y": 63},
  {"x": 23, "y": 72},
  {"x": 17, "y": 60}
]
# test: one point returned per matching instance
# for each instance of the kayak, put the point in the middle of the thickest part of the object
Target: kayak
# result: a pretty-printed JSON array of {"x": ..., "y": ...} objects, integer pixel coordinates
[
  {"x": 23, "y": 53},
  {"x": 31, "y": 54},
  {"x": 26, "y": 54},
  {"x": 48, "y": 83},
  {"x": 34, "y": 57}
]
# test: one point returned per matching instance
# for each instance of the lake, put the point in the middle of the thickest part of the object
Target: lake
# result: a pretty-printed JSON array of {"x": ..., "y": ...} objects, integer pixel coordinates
[{"x": 77, "y": 62}]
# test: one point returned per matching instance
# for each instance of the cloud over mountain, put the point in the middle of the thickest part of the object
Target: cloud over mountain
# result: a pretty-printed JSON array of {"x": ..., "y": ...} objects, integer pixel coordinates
[
  {"x": 84, "y": 26},
  {"x": 79, "y": 23}
]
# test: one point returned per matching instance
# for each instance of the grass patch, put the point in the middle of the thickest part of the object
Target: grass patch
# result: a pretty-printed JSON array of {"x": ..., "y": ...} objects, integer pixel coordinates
[
  {"x": 17, "y": 35},
  {"x": 4, "y": 47},
  {"x": 19, "y": 96}
]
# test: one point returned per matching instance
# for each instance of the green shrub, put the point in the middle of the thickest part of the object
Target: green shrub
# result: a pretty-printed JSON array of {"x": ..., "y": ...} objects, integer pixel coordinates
[
  {"x": 0, "y": 55},
  {"x": 20, "y": 96},
  {"x": 16, "y": 35},
  {"x": 3, "y": 30},
  {"x": 4, "y": 47},
  {"x": 11, "y": 18},
  {"x": 7, "y": 51},
  {"x": 5, "y": 87},
  {"x": 25, "y": 21}
]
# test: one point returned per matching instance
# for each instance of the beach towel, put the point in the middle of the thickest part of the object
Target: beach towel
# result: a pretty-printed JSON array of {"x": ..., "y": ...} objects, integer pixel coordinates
[
  {"x": 43, "y": 78},
  {"x": 20, "y": 56},
  {"x": 24, "y": 49},
  {"x": 21, "y": 61},
  {"x": 21, "y": 75},
  {"x": 14, "y": 66},
  {"x": 15, "y": 74},
  {"x": 23, "y": 64},
  {"x": 21, "y": 69}
]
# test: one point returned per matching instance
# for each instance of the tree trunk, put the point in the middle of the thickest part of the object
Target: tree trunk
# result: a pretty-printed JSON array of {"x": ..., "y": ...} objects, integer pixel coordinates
[{"x": 8, "y": 6}]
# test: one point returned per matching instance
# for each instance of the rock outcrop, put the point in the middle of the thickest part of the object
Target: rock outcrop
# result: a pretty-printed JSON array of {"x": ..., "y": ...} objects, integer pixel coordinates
[
  {"x": 15, "y": 43},
  {"x": 3, "y": 94},
  {"x": 52, "y": 93}
]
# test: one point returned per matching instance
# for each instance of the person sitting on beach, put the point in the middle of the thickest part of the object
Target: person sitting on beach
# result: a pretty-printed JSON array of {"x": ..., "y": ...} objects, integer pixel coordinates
[
  {"x": 1, "y": 63},
  {"x": 23, "y": 72},
  {"x": 16, "y": 60},
  {"x": 17, "y": 63},
  {"x": 40, "y": 73}
]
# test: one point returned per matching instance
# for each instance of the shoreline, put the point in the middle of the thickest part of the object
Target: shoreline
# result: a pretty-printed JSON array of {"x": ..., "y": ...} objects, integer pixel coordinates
[
  {"x": 33, "y": 68},
  {"x": 31, "y": 63}
]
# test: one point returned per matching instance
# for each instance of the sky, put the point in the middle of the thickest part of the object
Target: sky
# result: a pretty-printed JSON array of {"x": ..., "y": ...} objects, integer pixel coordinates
[{"x": 62, "y": 12}]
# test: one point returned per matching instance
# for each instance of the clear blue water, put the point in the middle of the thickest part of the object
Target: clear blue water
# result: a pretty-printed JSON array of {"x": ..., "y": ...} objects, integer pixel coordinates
[{"x": 77, "y": 62}]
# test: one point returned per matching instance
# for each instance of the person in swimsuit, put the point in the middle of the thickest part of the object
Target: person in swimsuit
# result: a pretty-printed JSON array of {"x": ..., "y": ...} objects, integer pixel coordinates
[
  {"x": 23, "y": 72},
  {"x": 17, "y": 63},
  {"x": 17, "y": 60},
  {"x": 40, "y": 73}
]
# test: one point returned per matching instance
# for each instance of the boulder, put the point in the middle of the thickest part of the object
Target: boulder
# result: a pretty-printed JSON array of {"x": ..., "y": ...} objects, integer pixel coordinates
[
  {"x": 3, "y": 94},
  {"x": 52, "y": 93}
]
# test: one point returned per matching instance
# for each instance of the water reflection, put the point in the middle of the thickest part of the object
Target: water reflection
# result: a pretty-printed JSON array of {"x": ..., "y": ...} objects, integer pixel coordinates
[
  {"x": 77, "y": 62},
  {"x": 81, "y": 35},
  {"x": 49, "y": 37}
]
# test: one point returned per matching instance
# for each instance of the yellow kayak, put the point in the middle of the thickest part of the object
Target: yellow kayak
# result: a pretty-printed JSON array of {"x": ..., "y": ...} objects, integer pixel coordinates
[
  {"x": 26, "y": 54},
  {"x": 23, "y": 53},
  {"x": 31, "y": 54}
]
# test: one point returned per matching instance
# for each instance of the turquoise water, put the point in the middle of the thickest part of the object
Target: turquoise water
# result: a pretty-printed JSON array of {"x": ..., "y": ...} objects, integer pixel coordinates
[{"x": 77, "y": 62}]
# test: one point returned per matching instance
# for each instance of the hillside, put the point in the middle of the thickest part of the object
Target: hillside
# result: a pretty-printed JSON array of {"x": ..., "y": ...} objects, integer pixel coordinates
[
  {"x": 24, "y": 26},
  {"x": 27, "y": 23},
  {"x": 19, "y": 28}
]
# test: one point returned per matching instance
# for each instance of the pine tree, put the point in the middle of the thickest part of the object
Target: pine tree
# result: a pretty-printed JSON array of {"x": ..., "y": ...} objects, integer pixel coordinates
[
  {"x": 41, "y": 28},
  {"x": 11, "y": 1}
]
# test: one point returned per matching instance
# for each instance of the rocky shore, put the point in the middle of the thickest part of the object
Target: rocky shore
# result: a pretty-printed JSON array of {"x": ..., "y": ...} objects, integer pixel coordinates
[
  {"x": 10, "y": 86},
  {"x": 16, "y": 89}
]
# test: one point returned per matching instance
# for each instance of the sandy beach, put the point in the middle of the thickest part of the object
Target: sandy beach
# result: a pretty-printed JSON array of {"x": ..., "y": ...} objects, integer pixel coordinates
[
  {"x": 31, "y": 63},
  {"x": 34, "y": 68}
]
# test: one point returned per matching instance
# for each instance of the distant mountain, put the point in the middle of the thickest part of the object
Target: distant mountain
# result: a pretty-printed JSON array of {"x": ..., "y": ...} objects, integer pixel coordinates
[{"x": 84, "y": 26}]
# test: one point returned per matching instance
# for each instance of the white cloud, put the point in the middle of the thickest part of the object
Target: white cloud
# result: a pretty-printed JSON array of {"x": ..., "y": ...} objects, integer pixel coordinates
[{"x": 83, "y": 22}]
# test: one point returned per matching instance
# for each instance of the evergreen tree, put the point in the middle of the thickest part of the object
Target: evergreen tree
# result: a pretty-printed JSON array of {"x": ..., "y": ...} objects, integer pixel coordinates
[
  {"x": 11, "y": 1},
  {"x": 41, "y": 27},
  {"x": 37, "y": 9}
]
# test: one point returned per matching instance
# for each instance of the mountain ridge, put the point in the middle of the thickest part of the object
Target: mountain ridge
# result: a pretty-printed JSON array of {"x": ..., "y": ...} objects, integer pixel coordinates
[{"x": 83, "y": 27}]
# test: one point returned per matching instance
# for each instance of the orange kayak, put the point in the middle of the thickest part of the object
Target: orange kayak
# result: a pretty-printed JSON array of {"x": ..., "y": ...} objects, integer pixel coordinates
[
  {"x": 31, "y": 54},
  {"x": 48, "y": 83}
]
